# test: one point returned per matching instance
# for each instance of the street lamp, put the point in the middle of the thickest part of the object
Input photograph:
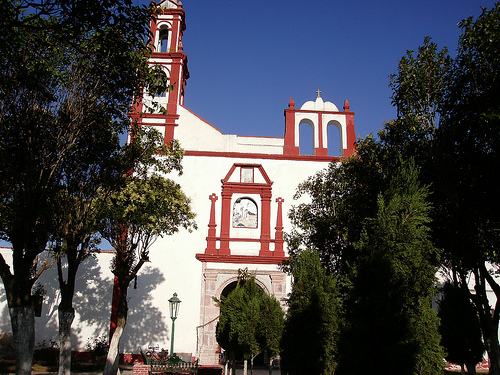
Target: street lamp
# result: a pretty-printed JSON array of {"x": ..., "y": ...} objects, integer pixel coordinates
[{"x": 174, "y": 310}]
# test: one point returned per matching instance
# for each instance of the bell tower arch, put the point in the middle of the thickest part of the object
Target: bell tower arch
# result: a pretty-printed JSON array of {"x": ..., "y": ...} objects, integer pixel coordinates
[
  {"x": 167, "y": 28},
  {"x": 319, "y": 115}
]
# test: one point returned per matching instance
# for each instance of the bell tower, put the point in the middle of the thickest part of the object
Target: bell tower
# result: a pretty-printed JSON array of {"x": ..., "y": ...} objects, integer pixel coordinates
[{"x": 167, "y": 53}]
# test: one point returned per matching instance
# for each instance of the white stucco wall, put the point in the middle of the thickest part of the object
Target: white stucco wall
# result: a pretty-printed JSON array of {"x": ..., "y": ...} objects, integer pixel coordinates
[
  {"x": 173, "y": 266},
  {"x": 196, "y": 134}
]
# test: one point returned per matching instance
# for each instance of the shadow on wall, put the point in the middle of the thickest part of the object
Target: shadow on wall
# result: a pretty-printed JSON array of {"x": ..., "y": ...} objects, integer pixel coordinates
[
  {"x": 92, "y": 301},
  {"x": 146, "y": 324},
  {"x": 4, "y": 312}
]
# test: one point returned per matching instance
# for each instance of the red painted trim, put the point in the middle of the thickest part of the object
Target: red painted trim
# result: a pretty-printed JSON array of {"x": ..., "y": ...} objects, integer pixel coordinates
[
  {"x": 242, "y": 239},
  {"x": 247, "y": 185},
  {"x": 219, "y": 154},
  {"x": 265, "y": 233},
  {"x": 351, "y": 135},
  {"x": 240, "y": 259},
  {"x": 289, "y": 144},
  {"x": 212, "y": 225},
  {"x": 264, "y": 190},
  {"x": 324, "y": 112},
  {"x": 179, "y": 11},
  {"x": 167, "y": 55},
  {"x": 278, "y": 247},
  {"x": 225, "y": 222}
]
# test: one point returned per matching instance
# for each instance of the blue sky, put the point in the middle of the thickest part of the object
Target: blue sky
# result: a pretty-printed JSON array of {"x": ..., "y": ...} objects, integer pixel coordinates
[{"x": 247, "y": 58}]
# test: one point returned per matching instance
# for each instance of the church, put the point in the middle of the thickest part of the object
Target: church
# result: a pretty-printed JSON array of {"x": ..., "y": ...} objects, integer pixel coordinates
[{"x": 241, "y": 189}]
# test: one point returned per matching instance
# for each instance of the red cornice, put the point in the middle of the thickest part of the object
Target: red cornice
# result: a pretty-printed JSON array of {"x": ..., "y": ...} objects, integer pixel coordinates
[
  {"x": 319, "y": 112},
  {"x": 166, "y": 55},
  {"x": 240, "y": 259},
  {"x": 218, "y": 154}
]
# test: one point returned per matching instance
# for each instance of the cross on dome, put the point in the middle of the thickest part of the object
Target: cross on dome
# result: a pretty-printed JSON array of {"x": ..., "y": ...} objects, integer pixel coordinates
[{"x": 318, "y": 91}]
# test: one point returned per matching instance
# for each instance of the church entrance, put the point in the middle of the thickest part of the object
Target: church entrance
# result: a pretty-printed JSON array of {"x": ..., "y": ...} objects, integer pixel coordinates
[{"x": 219, "y": 282}]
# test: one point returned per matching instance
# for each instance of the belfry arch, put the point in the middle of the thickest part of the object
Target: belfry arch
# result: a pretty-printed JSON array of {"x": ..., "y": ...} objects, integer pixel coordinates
[
  {"x": 319, "y": 115},
  {"x": 306, "y": 137},
  {"x": 334, "y": 137}
]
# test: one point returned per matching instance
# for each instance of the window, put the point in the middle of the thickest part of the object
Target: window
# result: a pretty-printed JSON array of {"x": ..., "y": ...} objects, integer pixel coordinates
[
  {"x": 246, "y": 175},
  {"x": 245, "y": 213}
]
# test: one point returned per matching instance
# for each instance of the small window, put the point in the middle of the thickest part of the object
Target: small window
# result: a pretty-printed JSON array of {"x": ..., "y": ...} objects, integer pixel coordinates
[
  {"x": 245, "y": 213},
  {"x": 246, "y": 175}
]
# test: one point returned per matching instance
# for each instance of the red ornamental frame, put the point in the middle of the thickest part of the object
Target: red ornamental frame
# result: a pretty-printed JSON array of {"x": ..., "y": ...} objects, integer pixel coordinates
[{"x": 223, "y": 252}]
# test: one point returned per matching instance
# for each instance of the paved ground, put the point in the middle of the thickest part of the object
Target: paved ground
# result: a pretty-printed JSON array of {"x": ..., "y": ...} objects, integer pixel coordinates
[{"x": 258, "y": 371}]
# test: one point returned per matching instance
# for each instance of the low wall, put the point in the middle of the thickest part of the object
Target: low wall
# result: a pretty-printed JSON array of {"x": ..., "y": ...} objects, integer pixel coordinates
[{"x": 140, "y": 369}]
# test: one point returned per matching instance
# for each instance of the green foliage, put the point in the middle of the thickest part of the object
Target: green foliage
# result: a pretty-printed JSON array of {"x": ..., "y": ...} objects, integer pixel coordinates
[
  {"x": 465, "y": 175},
  {"x": 312, "y": 325},
  {"x": 390, "y": 320},
  {"x": 250, "y": 321},
  {"x": 146, "y": 207},
  {"x": 69, "y": 72},
  {"x": 460, "y": 329},
  {"x": 420, "y": 84},
  {"x": 97, "y": 347}
]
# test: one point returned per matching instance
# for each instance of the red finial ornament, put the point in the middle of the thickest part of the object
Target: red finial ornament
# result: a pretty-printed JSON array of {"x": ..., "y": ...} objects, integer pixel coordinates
[{"x": 346, "y": 106}]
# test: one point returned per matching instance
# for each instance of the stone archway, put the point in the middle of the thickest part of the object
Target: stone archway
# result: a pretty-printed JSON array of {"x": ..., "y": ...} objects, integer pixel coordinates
[{"x": 217, "y": 282}]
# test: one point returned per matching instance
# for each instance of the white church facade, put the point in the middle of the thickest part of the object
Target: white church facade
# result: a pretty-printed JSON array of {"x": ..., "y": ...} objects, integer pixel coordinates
[{"x": 241, "y": 190}]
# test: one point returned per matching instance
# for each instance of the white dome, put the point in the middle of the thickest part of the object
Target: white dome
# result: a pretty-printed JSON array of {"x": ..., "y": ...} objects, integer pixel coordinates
[{"x": 319, "y": 105}]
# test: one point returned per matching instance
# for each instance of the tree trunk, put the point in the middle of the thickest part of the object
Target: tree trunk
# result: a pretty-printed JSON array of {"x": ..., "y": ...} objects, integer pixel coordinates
[
  {"x": 23, "y": 331},
  {"x": 232, "y": 370},
  {"x": 487, "y": 317},
  {"x": 111, "y": 366},
  {"x": 271, "y": 366},
  {"x": 245, "y": 367},
  {"x": 65, "y": 320},
  {"x": 494, "y": 355},
  {"x": 471, "y": 368}
]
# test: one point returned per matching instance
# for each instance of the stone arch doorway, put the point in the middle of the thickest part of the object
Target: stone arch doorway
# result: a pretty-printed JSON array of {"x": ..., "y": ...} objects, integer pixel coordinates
[
  {"x": 232, "y": 286},
  {"x": 262, "y": 358},
  {"x": 216, "y": 282}
]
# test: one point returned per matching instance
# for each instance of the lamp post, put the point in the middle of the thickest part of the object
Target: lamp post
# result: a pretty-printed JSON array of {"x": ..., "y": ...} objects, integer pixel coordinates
[{"x": 174, "y": 310}]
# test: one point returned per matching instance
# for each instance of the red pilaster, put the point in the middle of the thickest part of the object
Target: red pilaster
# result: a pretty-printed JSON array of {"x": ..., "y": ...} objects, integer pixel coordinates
[
  {"x": 278, "y": 245},
  {"x": 211, "y": 240},
  {"x": 289, "y": 147},
  {"x": 350, "y": 133},
  {"x": 225, "y": 225},
  {"x": 265, "y": 233}
]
